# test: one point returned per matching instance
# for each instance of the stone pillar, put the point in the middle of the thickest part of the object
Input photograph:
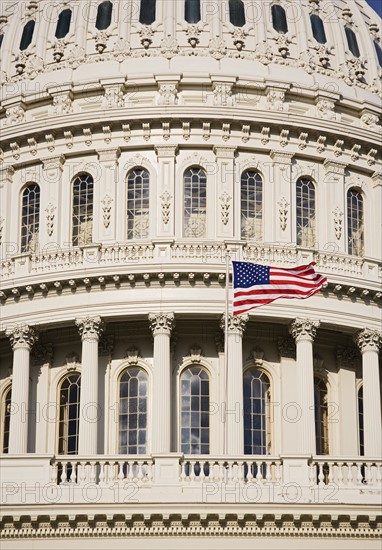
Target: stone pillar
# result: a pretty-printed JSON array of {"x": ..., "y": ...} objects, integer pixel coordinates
[
  {"x": 161, "y": 325},
  {"x": 166, "y": 190},
  {"x": 304, "y": 331},
  {"x": 42, "y": 355},
  {"x": 347, "y": 361},
  {"x": 90, "y": 329},
  {"x": 22, "y": 338},
  {"x": 234, "y": 444},
  {"x": 289, "y": 400},
  {"x": 369, "y": 342}
]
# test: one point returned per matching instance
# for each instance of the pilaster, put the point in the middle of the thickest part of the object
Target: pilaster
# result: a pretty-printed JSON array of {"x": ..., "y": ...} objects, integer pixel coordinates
[
  {"x": 279, "y": 206},
  {"x": 108, "y": 184},
  {"x": 224, "y": 188},
  {"x": 166, "y": 155}
]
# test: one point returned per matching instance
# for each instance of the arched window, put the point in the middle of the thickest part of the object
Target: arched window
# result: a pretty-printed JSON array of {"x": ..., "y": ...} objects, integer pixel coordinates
[
  {"x": 133, "y": 411},
  {"x": 6, "y": 419},
  {"x": 195, "y": 203},
  {"x": 147, "y": 12},
  {"x": 360, "y": 422},
  {"x": 378, "y": 51},
  {"x": 138, "y": 189},
  {"x": 355, "y": 216},
  {"x": 192, "y": 11},
  {"x": 251, "y": 206},
  {"x": 305, "y": 212},
  {"x": 321, "y": 416},
  {"x": 352, "y": 41},
  {"x": 69, "y": 402},
  {"x": 63, "y": 23},
  {"x": 236, "y": 13},
  {"x": 257, "y": 421},
  {"x": 279, "y": 20},
  {"x": 194, "y": 407},
  {"x": 82, "y": 218},
  {"x": 104, "y": 12},
  {"x": 30, "y": 218},
  {"x": 27, "y": 36},
  {"x": 318, "y": 28}
]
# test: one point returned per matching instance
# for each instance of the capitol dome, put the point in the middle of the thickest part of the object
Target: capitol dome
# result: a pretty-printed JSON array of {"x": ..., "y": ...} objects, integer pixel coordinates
[{"x": 146, "y": 144}]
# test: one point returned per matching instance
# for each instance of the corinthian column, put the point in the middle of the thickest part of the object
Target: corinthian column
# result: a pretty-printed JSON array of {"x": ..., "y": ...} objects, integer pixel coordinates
[
  {"x": 22, "y": 338},
  {"x": 234, "y": 383},
  {"x": 369, "y": 342},
  {"x": 90, "y": 329},
  {"x": 304, "y": 332},
  {"x": 161, "y": 325}
]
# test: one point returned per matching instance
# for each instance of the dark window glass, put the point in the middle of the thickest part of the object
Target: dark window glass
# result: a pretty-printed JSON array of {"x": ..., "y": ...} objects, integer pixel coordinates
[
  {"x": 6, "y": 416},
  {"x": 279, "y": 20},
  {"x": 352, "y": 41},
  {"x": 82, "y": 215},
  {"x": 30, "y": 218},
  {"x": 257, "y": 422},
  {"x": 236, "y": 13},
  {"x": 104, "y": 16},
  {"x": 147, "y": 12},
  {"x": 355, "y": 217},
  {"x": 251, "y": 206},
  {"x": 27, "y": 35},
  {"x": 378, "y": 50},
  {"x": 63, "y": 23},
  {"x": 69, "y": 414},
  {"x": 321, "y": 416},
  {"x": 194, "y": 407},
  {"x": 360, "y": 422},
  {"x": 318, "y": 28},
  {"x": 133, "y": 412},
  {"x": 195, "y": 203},
  {"x": 1, "y": 39},
  {"x": 138, "y": 200},
  {"x": 305, "y": 212},
  {"x": 192, "y": 11}
]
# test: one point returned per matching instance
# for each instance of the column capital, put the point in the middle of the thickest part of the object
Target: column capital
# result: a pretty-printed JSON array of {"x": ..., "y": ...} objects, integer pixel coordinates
[
  {"x": 368, "y": 340},
  {"x": 90, "y": 328},
  {"x": 236, "y": 323},
  {"x": 22, "y": 336},
  {"x": 161, "y": 323},
  {"x": 304, "y": 329}
]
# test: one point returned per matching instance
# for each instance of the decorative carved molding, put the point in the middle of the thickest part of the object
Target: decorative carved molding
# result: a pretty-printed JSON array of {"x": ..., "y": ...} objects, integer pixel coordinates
[
  {"x": 223, "y": 93},
  {"x": 114, "y": 97},
  {"x": 338, "y": 219},
  {"x": 161, "y": 323},
  {"x": 90, "y": 328},
  {"x": 287, "y": 348},
  {"x": 106, "y": 202},
  {"x": 62, "y": 104},
  {"x": 225, "y": 203},
  {"x": 42, "y": 354},
  {"x": 368, "y": 340},
  {"x": 236, "y": 323},
  {"x": 166, "y": 206},
  {"x": 133, "y": 355},
  {"x": 50, "y": 215},
  {"x": 257, "y": 355},
  {"x": 72, "y": 361},
  {"x": 168, "y": 93},
  {"x": 195, "y": 353},
  {"x": 283, "y": 205},
  {"x": 2, "y": 221},
  {"x": 22, "y": 336},
  {"x": 304, "y": 329}
]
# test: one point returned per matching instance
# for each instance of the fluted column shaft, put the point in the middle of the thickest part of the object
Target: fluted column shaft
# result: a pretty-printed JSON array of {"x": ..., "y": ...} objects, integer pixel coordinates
[
  {"x": 90, "y": 330},
  {"x": 161, "y": 325},
  {"x": 234, "y": 384},
  {"x": 22, "y": 339},
  {"x": 304, "y": 332},
  {"x": 369, "y": 342}
]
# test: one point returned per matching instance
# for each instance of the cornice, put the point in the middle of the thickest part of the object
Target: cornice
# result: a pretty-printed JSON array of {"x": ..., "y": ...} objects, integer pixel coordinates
[{"x": 218, "y": 523}]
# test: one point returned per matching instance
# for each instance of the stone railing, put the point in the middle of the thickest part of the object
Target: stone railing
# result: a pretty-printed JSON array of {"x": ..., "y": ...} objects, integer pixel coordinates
[
  {"x": 346, "y": 473},
  {"x": 238, "y": 470},
  {"x": 97, "y": 259}
]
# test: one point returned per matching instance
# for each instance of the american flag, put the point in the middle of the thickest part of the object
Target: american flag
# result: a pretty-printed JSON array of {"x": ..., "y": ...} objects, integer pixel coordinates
[{"x": 256, "y": 285}]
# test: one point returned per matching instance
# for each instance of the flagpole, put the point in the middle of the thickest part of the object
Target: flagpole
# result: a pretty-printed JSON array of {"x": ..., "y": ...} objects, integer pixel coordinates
[{"x": 227, "y": 260}]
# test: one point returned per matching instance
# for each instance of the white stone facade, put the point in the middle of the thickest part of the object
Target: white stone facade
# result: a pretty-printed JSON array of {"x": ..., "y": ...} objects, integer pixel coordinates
[{"x": 135, "y": 158}]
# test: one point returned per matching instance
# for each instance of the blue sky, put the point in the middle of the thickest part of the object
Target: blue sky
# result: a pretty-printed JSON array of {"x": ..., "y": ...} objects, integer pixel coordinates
[{"x": 377, "y": 5}]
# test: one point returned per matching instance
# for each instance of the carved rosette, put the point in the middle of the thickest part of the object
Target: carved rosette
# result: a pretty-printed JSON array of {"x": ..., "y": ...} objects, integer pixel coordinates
[
  {"x": 368, "y": 340},
  {"x": 304, "y": 329},
  {"x": 42, "y": 354},
  {"x": 236, "y": 323},
  {"x": 287, "y": 348},
  {"x": 90, "y": 328},
  {"x": 161, "y": 323},
  {"x": 22, "y": 336}
]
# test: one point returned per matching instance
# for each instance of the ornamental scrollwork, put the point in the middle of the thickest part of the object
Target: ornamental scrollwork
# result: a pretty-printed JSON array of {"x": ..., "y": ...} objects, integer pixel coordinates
[
  {"x": 50, "y": 215},
  {"x": 283, "y": 213},
  {"x": 22, "y": 336},
  {"x": 338, "y": 218},
  {"x": 166, "y": 205},
  {"x": 161, "y": 323},
  {"x": 368, "y": 340},
  {"x": 225, "y": 203},
  {"x": 106, "y": 202},
  {"x": 90, "y": 328},
  {"x": 304, "y": 329}
]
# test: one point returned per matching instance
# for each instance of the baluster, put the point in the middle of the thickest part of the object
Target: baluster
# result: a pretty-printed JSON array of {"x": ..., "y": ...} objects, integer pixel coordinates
[
  {"x": 183, "y": 471},
  {"x": 331, "y": 472},
  {"x": 312, "y": 474},
  {"x": 359, "y": 473},
  {"x": 321, "y": 476},
  {"x": 53, "y": 472},
  {"x": 369, "y": 473},
  {"x": 340, "y": 477},
  {"x": 249, "y": 473},
  {"x": 82, "y": 476},
  {"x": 259, "y": 475},
  {"x": 102, "y": 472},
  {"x": 192, "y": 470},
  {"x": 121, "y": 475},
  {"x": 73, "y": 476},
  {"x": 92, "y": 471},
  {"x": 130, "y": 475},
  {"x": 278, "y": 473},
  {"x": 350, "y": 474},
  {"x": 230, "y": 471},
  {"x": 140, "y": 473},
  {"x": 202, "y": 475},
  {"x": 63, "y": 473},
  {"x": 268, "y": 476},
  {"x": 222, "y": 472},
  {"x": 149, "y": 470},
  {"x": 240, "y": 471},
  {"x": 378, "y": 475}
]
